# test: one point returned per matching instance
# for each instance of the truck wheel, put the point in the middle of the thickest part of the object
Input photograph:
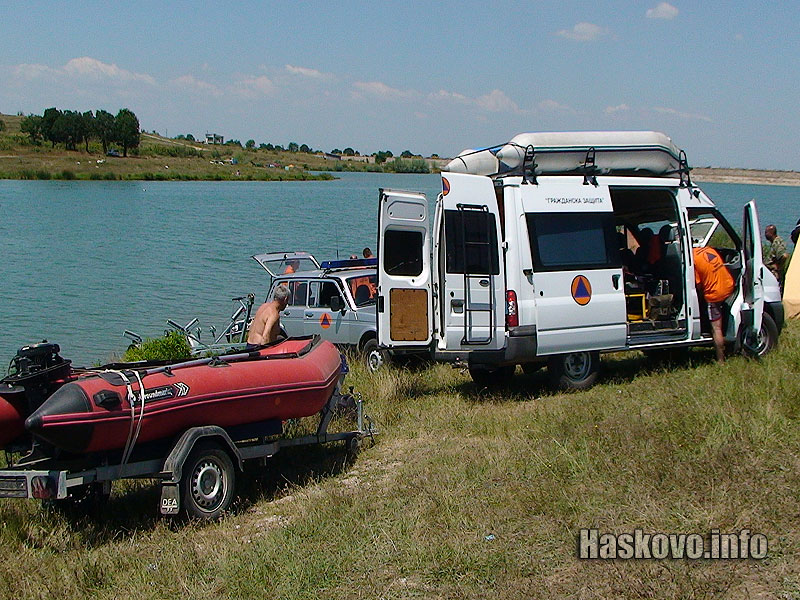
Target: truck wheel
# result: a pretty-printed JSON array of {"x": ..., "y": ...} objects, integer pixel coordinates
[
  {"x": 574, "y": 371},
  {"x": 492, "y": 377},
  {"x": 374, "y": 357},
  {"x": 207, "y": 483},
  {"x": 757, "y": 346}
]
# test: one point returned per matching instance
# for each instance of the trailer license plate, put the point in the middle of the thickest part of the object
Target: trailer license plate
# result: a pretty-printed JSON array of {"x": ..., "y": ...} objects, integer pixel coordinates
[{"x": 14, "y": 487}]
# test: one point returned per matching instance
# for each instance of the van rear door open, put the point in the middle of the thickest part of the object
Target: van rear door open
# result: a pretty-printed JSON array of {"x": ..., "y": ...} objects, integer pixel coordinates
[
  {"x": 405, "y": 311},
  {"x": 576, "y": 283}
]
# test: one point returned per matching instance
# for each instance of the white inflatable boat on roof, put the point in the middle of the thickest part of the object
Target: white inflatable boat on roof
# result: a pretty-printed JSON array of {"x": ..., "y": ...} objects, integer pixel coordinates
[{"x": 616, "y": 152}]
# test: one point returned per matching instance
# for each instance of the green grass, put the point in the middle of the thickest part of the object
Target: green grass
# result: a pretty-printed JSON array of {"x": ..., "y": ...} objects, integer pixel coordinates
[{"x": 684, "y": 448}]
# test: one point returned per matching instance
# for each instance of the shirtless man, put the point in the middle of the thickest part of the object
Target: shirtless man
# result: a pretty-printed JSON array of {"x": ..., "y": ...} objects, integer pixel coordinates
[{"x": 267, "y": 323}]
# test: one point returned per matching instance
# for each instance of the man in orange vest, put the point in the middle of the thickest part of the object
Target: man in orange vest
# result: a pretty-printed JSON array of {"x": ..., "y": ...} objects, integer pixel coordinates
[{"x": 714, "y": 284}]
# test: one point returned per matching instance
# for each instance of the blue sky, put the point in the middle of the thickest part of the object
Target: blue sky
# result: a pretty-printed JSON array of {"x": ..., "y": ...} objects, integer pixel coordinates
[{"x": 720, "y": 78}]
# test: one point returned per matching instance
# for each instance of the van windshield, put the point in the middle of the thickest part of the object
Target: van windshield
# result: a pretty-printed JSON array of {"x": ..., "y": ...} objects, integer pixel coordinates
[{"x": 363, "y": 288}]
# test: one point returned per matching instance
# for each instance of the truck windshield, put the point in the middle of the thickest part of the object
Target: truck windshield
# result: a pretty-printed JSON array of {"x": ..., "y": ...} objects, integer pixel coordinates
[{"x": 363, "y": 288}]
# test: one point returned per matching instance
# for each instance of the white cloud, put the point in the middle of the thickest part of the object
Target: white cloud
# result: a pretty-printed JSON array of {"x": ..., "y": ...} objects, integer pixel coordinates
[
  {"x": 682, "y": 115},
  {"x": 190, "y": 82},
  {"x": 84, "y": 68},
  {"x": 252, "y": 87},
  {"x": 381, "y": 90},
  {"x": 306, "y": 72},
  {"x": 610, "y": 110},
  {"x": 95, "y": 69},
  {"x": 497, "y": 101},
  {"x": 29, "y": 72},
  {"x": 552, "y": 105},
  {"x": 444, "y": 95},
  {"x": 583, "y": 32},
  {"x": 664, "y": 10}
]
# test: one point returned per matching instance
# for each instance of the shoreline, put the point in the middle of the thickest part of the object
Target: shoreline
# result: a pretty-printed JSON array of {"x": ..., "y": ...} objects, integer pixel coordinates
[{"x": 746, "y": 176}]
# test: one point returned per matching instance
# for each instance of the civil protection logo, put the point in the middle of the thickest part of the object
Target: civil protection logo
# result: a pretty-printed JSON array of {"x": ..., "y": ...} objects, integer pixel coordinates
[
  {"x": 581, "y": 290},
  {"x": 325, "y": 320}
]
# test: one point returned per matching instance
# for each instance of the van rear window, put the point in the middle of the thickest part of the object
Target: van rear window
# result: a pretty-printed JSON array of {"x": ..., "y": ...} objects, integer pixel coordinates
[
  {"x": 402, "y": 252},
  {"x": 571, "y": 241},
  {"x": 471, "y": 242}
]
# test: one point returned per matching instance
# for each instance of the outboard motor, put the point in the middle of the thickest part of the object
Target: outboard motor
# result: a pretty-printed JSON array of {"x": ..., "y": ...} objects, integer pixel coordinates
[{"x": 34, "y": 374}]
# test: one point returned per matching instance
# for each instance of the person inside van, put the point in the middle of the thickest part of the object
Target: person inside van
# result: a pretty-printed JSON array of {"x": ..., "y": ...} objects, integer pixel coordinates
[
  {"x": 714, "y": 285},
  {"x": 291, "y": 266}
]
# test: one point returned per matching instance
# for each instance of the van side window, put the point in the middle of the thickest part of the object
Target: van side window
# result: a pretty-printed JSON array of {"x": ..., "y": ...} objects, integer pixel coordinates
[
  {"x": 297, "y": 293},
  {"x": 321, "y": 293},
  {"x": 471, "y": 234},
  {"x": 709, "y": 228},
  {"x": 570, "y": 241},
  {"x": 402, "y": 252}
]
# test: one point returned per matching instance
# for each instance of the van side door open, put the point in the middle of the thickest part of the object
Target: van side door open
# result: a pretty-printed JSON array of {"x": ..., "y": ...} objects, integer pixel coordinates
[
  {"x": 405, "y": 309},
  {"x": 576, "y": 283}
]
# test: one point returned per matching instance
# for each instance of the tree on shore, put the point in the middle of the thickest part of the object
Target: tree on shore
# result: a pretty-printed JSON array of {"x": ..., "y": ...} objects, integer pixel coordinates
[
  {"x": 2, "y": 125},
  {"x": 104, "y": 128},
  {"x": 49, "y": 118},
  {"x": 32, "y": 127},
  {"x": 250, "y": 144},
  {"x": 126, "y": 129}
]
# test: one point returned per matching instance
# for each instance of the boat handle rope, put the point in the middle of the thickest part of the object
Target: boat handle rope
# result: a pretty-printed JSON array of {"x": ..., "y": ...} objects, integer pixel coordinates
[{"x": 136, "y": 427}]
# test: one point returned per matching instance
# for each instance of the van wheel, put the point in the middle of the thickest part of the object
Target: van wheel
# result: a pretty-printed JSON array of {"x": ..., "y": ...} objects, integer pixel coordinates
[
  {"x": 574, "y": 371},
  {"x": 374, "y": 357},
  {"x": 207, "y": 483},
  {"x": 492, "y": 377},
  {"x": 757, "y": 346}
]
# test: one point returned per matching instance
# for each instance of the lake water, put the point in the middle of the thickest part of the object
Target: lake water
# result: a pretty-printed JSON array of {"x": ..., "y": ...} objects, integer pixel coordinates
[{"x": 80, "y": 262}]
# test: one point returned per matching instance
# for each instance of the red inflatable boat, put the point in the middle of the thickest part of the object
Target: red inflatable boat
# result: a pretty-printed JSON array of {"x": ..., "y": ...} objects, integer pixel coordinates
[{"x": 105, "y": 408}]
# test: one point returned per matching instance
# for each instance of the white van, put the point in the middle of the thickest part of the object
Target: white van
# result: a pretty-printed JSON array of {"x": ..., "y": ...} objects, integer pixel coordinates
[{"x": 556, "y": 247}]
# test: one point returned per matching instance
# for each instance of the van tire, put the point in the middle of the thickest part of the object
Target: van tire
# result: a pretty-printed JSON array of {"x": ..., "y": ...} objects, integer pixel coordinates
[
  {"x": 374, "y": 357},
  {"x": 573, "y": 371},
  {"x": 767, "y": 338},
  {"x": 492, "y": 377}
]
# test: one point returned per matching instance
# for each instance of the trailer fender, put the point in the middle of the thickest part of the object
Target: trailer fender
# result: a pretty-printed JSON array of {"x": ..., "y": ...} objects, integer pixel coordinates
[{"x": 173, "y": 465}]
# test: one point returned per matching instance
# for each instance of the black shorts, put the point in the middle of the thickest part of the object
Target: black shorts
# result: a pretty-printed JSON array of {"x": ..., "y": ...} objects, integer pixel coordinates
[{"x": 714, "y": 311}]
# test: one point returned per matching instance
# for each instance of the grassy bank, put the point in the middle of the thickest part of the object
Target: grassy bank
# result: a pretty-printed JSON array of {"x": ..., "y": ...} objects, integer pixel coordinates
[
  {"x": 164, "y": 159},
  {"x": 471, "y": 493}
]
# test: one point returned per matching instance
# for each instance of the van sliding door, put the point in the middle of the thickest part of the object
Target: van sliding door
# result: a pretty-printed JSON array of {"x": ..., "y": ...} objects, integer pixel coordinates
[{"x": 577, "y": 279}]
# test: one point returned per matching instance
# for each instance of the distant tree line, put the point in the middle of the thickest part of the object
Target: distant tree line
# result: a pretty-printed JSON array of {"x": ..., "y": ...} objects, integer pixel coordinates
[
  {"x": 72, "y": 128},
  {"x": 381, "y": 156}
]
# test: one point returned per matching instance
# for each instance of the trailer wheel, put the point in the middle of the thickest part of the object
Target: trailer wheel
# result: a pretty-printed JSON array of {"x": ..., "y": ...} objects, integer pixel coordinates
[
  {"x": 374, "y": 357},
  {"x": 573, "y": 371},
  {"x": 207, "y": 483},
  {"x": 757, "y": 346},
  {"x": 492, "y": 377}
]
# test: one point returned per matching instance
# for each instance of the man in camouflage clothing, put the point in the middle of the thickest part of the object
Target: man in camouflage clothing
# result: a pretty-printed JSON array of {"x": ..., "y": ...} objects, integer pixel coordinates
[{"x": 778, "y": 256}]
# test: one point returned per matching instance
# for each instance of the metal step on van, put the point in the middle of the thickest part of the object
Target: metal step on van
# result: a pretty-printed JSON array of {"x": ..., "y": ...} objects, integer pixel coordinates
[{"x": 556, "y": 247}]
